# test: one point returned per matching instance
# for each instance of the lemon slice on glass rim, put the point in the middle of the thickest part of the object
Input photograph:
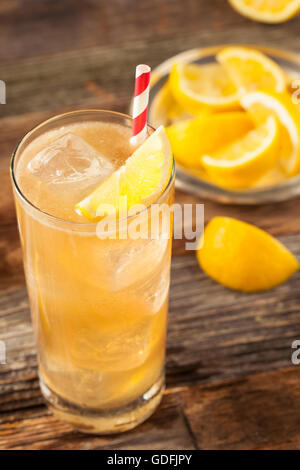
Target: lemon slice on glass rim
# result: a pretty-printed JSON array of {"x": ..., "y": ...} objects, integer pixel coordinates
[{"x": 140, "y": 180}]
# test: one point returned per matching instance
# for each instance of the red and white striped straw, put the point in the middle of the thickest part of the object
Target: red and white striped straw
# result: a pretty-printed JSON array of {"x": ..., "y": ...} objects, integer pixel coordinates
[{"x": 140, "y": 104}]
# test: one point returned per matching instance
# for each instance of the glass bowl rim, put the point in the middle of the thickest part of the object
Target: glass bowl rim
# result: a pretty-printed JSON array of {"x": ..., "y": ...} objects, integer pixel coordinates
[{"x": 184, "y": 180}]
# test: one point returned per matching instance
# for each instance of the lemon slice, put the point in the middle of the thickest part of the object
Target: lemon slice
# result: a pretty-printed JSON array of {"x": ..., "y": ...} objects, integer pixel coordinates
[
  {"x": 198, "y": 87},
  {"x": 263, "y": 104},
  {"x": 243, "y": 162},
  {"x": 190, "y": 139},
  {"x": 243, "y": 257},
  {"x": 144, "y": 176},
  {"x": 267, "y": 11},
  {"x": 250, "y": 69}
]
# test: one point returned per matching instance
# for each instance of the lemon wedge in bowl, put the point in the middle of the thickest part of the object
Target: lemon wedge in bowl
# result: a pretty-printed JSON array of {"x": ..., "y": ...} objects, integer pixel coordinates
[
  {"x": 190, "y": 139},
  {"x": 250, "y": 69},
  {"x": 246, "y": 160},
  {"x": 140, "y": 180},
  {"x": 198, "y": 87},
  {"x": 243, "y": 257},
  {"x": 262, "y": 104},
  {"x": 267, "y": 11}
]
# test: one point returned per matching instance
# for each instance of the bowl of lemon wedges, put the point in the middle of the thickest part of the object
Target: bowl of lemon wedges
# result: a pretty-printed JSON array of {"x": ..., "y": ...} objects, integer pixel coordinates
[{"x": 232, "y": 115}]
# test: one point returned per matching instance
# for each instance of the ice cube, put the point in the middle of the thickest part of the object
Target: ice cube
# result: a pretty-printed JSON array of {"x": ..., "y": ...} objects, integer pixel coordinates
[
  {"x": 69, "y": 159},
  {"x": 156, "y": 293},
  {"x": 135, "y": 261},
  {"x": 121, "y": 349},
  {"x": 151, "y": 294}
]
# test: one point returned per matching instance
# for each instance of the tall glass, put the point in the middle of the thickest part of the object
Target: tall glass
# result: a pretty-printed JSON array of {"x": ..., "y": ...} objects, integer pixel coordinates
[{"x": 98, "y": 305}]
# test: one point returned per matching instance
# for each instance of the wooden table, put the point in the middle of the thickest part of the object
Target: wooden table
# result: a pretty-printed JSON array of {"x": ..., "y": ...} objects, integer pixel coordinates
[{"x": 230, "y": 381}]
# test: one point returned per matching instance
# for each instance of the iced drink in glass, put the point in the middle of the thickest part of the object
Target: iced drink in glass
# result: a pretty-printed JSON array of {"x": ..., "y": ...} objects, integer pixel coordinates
[{"x": 98, "y": 304}]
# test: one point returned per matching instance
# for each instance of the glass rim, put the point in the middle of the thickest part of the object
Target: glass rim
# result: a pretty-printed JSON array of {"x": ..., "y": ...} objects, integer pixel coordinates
[{"x": 70, "y": 223}]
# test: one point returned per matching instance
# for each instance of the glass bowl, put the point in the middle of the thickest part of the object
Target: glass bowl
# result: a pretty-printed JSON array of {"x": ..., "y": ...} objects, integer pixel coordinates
[{"x": 186, "y": 178}]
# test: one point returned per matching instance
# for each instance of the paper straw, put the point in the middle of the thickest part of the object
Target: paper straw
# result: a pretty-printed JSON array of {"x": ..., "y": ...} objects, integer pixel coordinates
[{"x": 140, "y": 104}]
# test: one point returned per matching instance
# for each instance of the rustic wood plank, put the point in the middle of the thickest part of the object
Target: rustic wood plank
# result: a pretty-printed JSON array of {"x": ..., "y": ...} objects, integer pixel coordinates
[
  {"x": 257, "y": 412},
  {"x": 214, "y": 334},
  {"x": 92, "y": 78},
  {"x": 38, "y": 429},
  {"x": 78, "y": 24}
]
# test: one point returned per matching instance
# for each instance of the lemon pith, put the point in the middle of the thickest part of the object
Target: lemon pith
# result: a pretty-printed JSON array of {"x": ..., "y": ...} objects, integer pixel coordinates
[
  {"x": 243, "y": 257},
  {"x": 144, "y": 175}
]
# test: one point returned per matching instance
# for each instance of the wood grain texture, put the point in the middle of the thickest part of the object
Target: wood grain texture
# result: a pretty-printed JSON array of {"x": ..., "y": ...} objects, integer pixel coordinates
[
  {"x": 39, "y": 430},
  {"x": 81, "y": 24},
  {"x": 230, "y": 384},
  {"x": 258, "y": 412},
  {"x": 214, "y": 334},
  {"x": 78, "y": 65}
]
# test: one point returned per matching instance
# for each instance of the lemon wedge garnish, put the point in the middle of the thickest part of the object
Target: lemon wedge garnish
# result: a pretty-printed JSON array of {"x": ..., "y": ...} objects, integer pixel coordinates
[
  {"x": 190, "y": 139},
  {"x": 243, "y": 257},
  {"x": 262, "y": 104},
  {"x": 243, "y": 162},
  {"x": 267, "y": 11},
  {"x": 197, "y": 87},
  {"x": 250, "y": 69},
  {"x": 140, "y": 180}
]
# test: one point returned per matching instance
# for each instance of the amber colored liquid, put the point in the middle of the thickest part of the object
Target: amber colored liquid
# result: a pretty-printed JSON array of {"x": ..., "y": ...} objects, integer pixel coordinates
[{"x": 99, "y": 307}]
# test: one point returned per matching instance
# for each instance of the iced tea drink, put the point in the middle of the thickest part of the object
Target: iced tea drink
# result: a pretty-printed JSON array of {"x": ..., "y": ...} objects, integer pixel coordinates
[{"x": 99, "y": 305}]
